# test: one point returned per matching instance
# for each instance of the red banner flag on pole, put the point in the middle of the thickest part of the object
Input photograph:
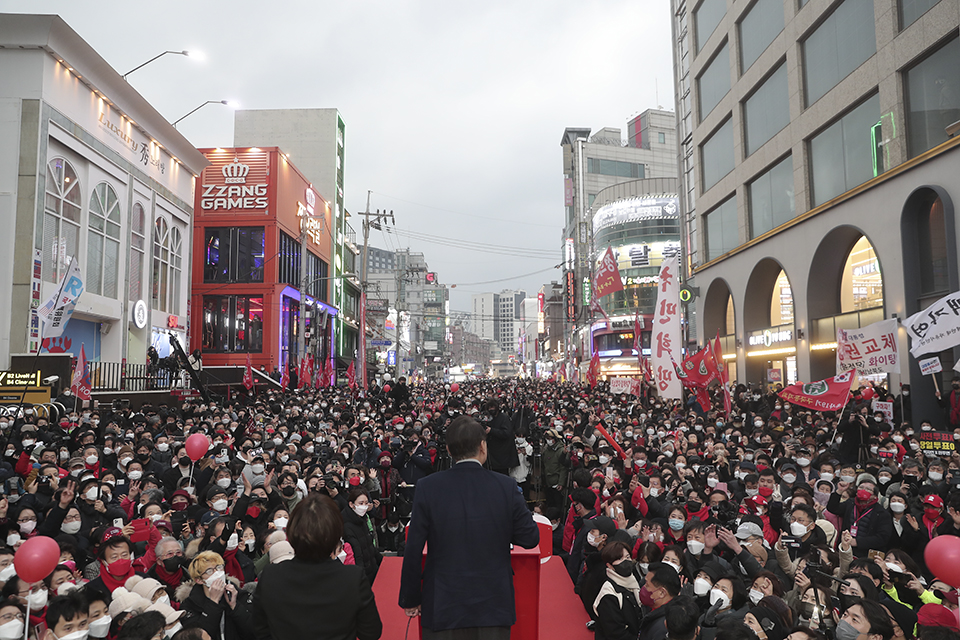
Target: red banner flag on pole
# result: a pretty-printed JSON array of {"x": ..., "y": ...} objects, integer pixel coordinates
[
  {"x": 607, "y": 279},
  {"x": 328, "y": 375},
  {"x": 285, "y": 378},
  {"x": 352, "y": 376},
  {"x": 248, "y": 374},
  {"x": 593, "y": 371},
  {"x": 830, "y": 394},
  {"x": 80, "y": 384}
]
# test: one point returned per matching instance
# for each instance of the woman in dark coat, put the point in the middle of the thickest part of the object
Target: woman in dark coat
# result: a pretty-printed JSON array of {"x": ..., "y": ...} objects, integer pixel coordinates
[
  {"x": 314, "y": 595},
  {"x": 358, "y": 530},
  {"x": 617, "y": 606}
]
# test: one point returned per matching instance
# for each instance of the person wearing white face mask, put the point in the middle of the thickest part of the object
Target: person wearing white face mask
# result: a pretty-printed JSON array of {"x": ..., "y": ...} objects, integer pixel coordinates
[
  {"x": 220, "y": 610},
  {"x": 11, "y": 623},
  {"x": 359, "y": 532}
]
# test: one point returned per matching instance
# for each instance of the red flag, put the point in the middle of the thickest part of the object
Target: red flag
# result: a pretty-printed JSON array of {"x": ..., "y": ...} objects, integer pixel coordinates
[
  {"x": 318, "y": 375},
  {"x": 825, "y": 395},
  {"x": 285, "y": 378},
  {"x": 593, "y": 371},
  {"x": 352, "y": 376},
  {"x": 608, "y": 276},
  {"x": 697, "y": 372},
  {"x": 80, "y": 384},
  {"x": 308, "y": 371},
  {"x": 328, "y": 379},
  {"x": 248, "y": 375},
  {"x": 595, "y": 306}
]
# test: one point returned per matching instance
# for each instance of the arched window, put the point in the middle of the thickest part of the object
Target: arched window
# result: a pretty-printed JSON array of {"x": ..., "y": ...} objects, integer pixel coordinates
[
  {"x": 161, "y": 263},
  {"x": 176, "y": 268},
  {"x": 932, "y": 234},
  {"x": 61, "y": 219},
  {"x": 137, "y": 245},
  {"x": 103, "y": 241},
  {"x": 861, "y": 284}
]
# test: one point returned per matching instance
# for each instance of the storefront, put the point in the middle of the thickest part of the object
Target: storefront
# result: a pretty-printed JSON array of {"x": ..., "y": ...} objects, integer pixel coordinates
[
  {"x": 252, "y": 206},
  {"x": 89, "y": 170}
]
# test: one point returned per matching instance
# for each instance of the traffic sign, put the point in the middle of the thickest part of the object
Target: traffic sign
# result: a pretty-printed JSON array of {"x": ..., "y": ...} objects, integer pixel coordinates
[
  {"x": 381, "y": 343},
  {"x": 688, "y": 293}
]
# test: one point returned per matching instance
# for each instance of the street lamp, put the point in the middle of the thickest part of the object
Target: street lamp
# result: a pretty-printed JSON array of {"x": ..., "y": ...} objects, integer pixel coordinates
[
  {"x": 157, "y": 57},
  {"x": 233, "y": 104}
]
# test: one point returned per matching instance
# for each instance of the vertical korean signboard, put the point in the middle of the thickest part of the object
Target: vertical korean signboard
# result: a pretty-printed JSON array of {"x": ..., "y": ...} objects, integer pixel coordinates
[
  {"x": 665, "y": 337},
  {"x": 570, "y": 292}
]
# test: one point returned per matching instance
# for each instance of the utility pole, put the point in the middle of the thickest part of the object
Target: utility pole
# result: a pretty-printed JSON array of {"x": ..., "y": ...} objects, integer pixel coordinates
[{"x": 378, "y": 217}]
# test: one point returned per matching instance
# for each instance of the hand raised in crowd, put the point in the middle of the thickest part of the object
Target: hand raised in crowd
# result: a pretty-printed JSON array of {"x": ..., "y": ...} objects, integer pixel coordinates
[
  {"x": 134, "y": 490},
  {"x": 729, "y": 539},
  {"x": 912, "y": 521},
  {"x": 68, "y": 494}
]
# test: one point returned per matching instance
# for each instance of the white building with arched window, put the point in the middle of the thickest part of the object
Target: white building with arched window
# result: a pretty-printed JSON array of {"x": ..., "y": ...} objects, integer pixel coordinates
[{"x": 88, "y": 170}]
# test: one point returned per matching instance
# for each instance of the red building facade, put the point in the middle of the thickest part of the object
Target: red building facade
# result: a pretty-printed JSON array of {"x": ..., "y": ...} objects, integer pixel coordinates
[{"x": 252, "y": 204}]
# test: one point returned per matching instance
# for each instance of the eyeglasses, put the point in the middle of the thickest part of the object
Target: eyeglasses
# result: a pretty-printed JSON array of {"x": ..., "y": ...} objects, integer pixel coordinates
[
  {"x": 27, "y": 519},
  {"x": 74, "y": 518},
  {"x": 209, "y": 572},
  {"x": 7, "y": 617},
  {"x": 38, "y": 588}
]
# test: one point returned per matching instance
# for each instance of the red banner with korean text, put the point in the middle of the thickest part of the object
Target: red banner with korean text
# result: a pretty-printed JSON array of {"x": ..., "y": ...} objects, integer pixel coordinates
[
  {"x": 608, "y": 276},
  {"x": 248, "y": 374},
  {"x": 824, "y": 395}
]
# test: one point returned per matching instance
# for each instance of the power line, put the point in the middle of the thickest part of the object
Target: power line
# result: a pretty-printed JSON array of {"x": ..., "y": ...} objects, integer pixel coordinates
[
  {"x": 469, "y": 215},
  {"x": 543, "y": 254}
]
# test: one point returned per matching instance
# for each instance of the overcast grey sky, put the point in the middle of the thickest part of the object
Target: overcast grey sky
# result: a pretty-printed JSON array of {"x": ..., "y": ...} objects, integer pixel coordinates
[{"x": 454, "y": 110}]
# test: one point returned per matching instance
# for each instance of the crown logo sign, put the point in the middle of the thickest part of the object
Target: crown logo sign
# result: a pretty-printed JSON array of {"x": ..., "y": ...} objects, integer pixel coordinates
[{"x": 235, "y": 172}]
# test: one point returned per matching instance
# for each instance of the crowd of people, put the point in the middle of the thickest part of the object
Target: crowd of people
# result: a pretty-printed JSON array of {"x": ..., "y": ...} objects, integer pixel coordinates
[{"x": 771, "y": 523}]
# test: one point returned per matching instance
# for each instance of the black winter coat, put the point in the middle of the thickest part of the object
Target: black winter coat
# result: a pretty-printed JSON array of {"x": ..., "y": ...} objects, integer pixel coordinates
[
  {"x": 501, "y": 444},
  {"x": 237, "y": 622},
  {"x": 362, "y": 542},
  {"x": 874, "y": 527},
  {"x": 619, "y": 620}
]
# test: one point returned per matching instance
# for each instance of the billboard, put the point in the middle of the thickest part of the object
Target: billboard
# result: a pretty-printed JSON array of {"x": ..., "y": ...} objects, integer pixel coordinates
[
  {"x": 570, "y": 294},
  {"x": 643, "y": 254},
  {"x": 635, "y": 210}
]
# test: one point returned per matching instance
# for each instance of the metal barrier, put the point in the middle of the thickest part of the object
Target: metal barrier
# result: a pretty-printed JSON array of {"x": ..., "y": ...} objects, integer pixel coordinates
[{"x": 120, "y": 376}]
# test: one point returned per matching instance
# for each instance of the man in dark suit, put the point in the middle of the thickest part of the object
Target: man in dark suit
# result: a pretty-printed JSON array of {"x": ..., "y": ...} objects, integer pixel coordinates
[{"x": 469, "y": 517}]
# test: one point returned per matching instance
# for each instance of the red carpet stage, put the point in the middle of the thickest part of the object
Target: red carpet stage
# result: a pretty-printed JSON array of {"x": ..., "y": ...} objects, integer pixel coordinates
[{"x": 561, "y": 612}]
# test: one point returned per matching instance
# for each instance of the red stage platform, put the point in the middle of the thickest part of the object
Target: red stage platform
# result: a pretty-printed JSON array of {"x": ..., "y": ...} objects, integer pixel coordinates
[{"x": 561, "y": 613}]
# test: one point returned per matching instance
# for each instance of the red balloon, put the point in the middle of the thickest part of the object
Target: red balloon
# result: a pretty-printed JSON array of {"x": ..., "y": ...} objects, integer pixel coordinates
[
  {"x": 386, "y": 388},
  {"x": 868, "y": 393},
  {"x": 197, "y": 446},
  {"x": 36, "y": 558},
  {"x": 943, "y": 557},
  {"x": 454, "y": 387}
]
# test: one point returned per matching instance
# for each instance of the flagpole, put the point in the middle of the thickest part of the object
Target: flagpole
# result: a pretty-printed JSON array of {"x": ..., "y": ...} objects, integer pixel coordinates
[
  {"x": 843, "y": 408},
  {"x": 43, "y": 330}
]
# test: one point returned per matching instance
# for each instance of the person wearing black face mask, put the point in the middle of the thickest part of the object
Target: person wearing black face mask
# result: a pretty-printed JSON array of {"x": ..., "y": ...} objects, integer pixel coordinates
[
  {"x": 616, "y": 607},
  {"x": 169, "y": 569}
]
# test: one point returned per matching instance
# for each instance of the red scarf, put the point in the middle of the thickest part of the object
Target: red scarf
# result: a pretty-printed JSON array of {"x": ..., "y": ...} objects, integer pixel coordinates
[
  {"x": 932, "y": 524},
  {"x": 170, "y": 579},
  {"x": 232, "y": 566},
  {"x": 113, "y": 583}
]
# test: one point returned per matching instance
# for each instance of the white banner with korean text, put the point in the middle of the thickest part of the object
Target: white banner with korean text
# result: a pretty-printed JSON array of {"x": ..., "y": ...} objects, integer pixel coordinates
[
  {"x": 665, "y": 337},
  {"x": 936, "y": 328},
  {"x": 870, "y": 350}
]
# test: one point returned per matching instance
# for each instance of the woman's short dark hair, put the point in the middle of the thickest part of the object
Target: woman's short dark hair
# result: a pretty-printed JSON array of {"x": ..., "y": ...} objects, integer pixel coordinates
[
  {"x": 356, "y": 492},
  {"x": 315, "y": 527},
  {"x": 613, "y": 551},
  {"x": 464, "y": 436}
]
